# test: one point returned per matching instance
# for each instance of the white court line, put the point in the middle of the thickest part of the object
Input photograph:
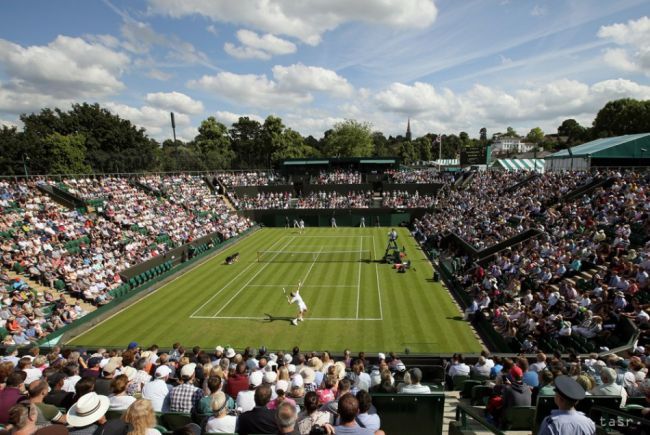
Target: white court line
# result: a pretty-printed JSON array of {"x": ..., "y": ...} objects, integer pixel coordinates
[
  {"x": 336, "y": 237},
  {"x": 303, "y": 286},
  {"x": 181, "y": 274},
  {"x": 224, "y": 287},
  {"x": 381, "y": 311},
  {"x": 266, "y": 318},
  {"x": 359, "y": 277},
  {"x": 310, "y": 267},
  {"x": 248, "y": 282}
]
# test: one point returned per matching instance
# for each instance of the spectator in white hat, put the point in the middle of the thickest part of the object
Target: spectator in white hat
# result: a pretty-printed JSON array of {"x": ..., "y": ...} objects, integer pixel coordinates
[
  {"x": 158, "y": 389},
  {"x": 88, "y": 413},
  {"x": 246, "y": 399}
]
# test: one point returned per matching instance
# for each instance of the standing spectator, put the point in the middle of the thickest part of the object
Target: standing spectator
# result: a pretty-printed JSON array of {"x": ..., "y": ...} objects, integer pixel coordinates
[{"x": 566, "y": 420}]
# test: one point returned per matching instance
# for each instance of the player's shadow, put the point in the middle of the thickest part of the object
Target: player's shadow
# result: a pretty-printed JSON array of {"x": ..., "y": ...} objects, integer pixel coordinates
[{"x": 271, "y": 318}]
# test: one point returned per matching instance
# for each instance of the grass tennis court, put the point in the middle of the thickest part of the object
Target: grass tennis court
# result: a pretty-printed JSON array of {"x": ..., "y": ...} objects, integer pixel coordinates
[{"x": 353, "y": 300}]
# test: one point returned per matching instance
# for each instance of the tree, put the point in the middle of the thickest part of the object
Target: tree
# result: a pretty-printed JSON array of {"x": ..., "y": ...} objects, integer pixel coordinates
[
  {"x": 423, "y": 148},
  {"x": 349, "y": 138},
  {"x": 624, "y": 116},
  {"x": 510, "y": 132},
  {"x": 380, "y": 145},
  {"x": 67, "y": 153},
  {"x": 245, "y": 135},
  {"x": 12, "y": 151},
  {"x": 573, "y": 131},
  {"x": 535, "y": 135},
  {"x": 213, "y": 144},
  {"x": 483, "y": 135}
]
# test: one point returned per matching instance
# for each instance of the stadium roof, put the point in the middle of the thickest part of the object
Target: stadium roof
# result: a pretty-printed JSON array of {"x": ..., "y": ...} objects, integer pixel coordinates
[
  {"x": 628, "y": 146},
  {"x": 521, "y": 164}
]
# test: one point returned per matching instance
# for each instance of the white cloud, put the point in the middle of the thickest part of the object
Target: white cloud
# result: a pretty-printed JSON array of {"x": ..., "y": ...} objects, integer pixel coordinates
[
  {"x": 290, "y": 86},
  {"x": 175, "y": 102},
  {"x": 634, "y": 38},
  {"x": 249, "y": 89},
  {"x": 258, "y": 47},
  {"x": 484, "y": 105},
  {"x": 311, "y": 78},
  {"x": 66, "y": 67},
  {"x": 8, "y": 123},
  {"x": 306, "y": 20},
  {"x": 155, "y": 121},
  {"x": 212, "y": 29}
]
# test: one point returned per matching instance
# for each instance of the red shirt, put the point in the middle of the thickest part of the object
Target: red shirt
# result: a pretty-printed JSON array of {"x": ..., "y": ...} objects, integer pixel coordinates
[{"x": 236, "y": 383}]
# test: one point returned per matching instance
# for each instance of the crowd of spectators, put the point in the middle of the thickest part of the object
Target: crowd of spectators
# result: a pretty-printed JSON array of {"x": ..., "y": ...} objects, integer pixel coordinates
[
  {"x": 353, "y": 199},
  {"x": 418, "y": 176},
  {"x": 263, "y": 200},
  {"x": 483, "y": 215},
  {"x": 84, "y": 253},
  {"x": 572, "y": 285},
  {"x": 251, "y": 178},
  {"x": 252, "y": 392},
  {"x": 403, "y": 199},
  {"x": 337, "y": 177},
  {"x": 191, "y": 191}
]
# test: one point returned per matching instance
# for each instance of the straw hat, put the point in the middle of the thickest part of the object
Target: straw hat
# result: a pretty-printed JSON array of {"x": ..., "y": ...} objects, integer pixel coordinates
[{"x": 89, "y": 408}]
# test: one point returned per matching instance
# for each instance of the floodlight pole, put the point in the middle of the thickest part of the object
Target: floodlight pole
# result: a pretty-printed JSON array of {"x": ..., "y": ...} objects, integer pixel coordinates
[
  {"x": 439, "y": 153},
  {"x": 25, "y": 158}
]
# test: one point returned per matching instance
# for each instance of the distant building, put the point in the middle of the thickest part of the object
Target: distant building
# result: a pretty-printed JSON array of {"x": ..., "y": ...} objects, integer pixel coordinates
[
  {"x": 510, "y": 145},
  {"x": 408, "y": 130}
]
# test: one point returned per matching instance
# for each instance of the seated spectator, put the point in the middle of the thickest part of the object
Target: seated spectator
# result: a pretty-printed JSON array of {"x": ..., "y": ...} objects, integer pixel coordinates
[
  {"x": 285, "y": 418},
  {"x": 88, "y": 414},
  {"x": 157, "y": 390},
  {"x": 47, "y": 414},
  {"x": 413, "y": 385},
  {"x": 367, "y": 414},
  {"x": 184, "y": 397},
  {"x": 260, "y": 419},
  {"x": 220, "y": 421},
  {"x": 119, "y": 400},
  {"x": 348, "y": 410},
  {"x": 481, "y": 368},
  {"x": 141, "y": 418},
  {"x": 312, "y": 415},
  {"x": 13, "y": 393}
]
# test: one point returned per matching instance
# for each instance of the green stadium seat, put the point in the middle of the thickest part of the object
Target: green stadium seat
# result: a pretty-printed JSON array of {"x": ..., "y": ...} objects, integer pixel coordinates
[
  {"x": 175, "y": 420},
  {"x": 519, "y": 418},
  {"x": 114, "y": 414},
  {"x": 466, "y": 391},
  {"x": 481, "y": 394},
  {"x": 414, "y": 414},
  {"x": 459, "y": 381}
]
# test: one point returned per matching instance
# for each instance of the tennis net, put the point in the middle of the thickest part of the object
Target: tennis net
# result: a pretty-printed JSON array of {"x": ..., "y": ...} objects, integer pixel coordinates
[{"x": 314, "y": 257}]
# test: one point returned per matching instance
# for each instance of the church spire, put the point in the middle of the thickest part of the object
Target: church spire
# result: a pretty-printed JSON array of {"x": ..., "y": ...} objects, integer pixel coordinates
[{"x": 408, "y": 130}]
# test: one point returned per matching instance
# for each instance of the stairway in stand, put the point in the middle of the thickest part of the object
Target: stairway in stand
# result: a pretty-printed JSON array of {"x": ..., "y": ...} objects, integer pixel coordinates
[{"x": 41, "y": 289}]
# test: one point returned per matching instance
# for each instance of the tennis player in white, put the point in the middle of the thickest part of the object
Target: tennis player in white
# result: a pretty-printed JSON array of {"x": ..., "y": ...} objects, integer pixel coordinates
[{"x": 295, "y": 298}]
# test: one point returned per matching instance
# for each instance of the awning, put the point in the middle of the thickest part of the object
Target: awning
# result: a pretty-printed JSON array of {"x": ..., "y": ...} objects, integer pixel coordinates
[
  {"x": 521, "y": 164},
  {"x": 447, "y": 162}
]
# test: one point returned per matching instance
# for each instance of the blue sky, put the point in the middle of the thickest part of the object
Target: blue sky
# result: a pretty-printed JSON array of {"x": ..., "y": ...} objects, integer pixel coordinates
[{"x": 449, "y": 65}]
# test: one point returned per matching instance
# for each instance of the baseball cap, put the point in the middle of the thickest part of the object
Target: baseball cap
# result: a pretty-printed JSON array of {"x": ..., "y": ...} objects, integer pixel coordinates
[
  {"x": 270, "y": 377},
  {"x": 163, "y": 371},
  {"x": 297, "y": 381},
  {"x": 188, "y": 369},
  {"x": 516, "y": 373},
  {"x": 255, "y": 379}
]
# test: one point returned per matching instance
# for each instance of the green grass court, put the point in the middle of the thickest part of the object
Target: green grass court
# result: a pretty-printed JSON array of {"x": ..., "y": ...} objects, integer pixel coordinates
[{"x": 353, "y": 303}]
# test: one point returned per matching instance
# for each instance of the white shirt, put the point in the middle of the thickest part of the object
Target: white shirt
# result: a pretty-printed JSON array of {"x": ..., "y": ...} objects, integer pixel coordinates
[
  {"x": 69, "y": 383},
  {"x": 224, "y": 424},
  {"x": 246, "y": 400},
  {"x": 157, "y": 391},
  {"x": 459, "y": 369},
  {"x": 297, "y": 299}
]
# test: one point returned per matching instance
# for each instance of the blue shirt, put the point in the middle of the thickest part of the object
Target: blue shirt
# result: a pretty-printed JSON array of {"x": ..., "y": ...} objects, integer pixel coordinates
[
  {"x": 496, "y": 370},
  {"x": 531, "y": 378},
  {"x": 567, "y": 423}
]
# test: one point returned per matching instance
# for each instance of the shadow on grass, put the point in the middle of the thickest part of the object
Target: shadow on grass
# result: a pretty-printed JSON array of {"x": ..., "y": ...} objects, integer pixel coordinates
[
  {"x": 272, "y": 318},
  {"x": 458, "y": 318}
]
